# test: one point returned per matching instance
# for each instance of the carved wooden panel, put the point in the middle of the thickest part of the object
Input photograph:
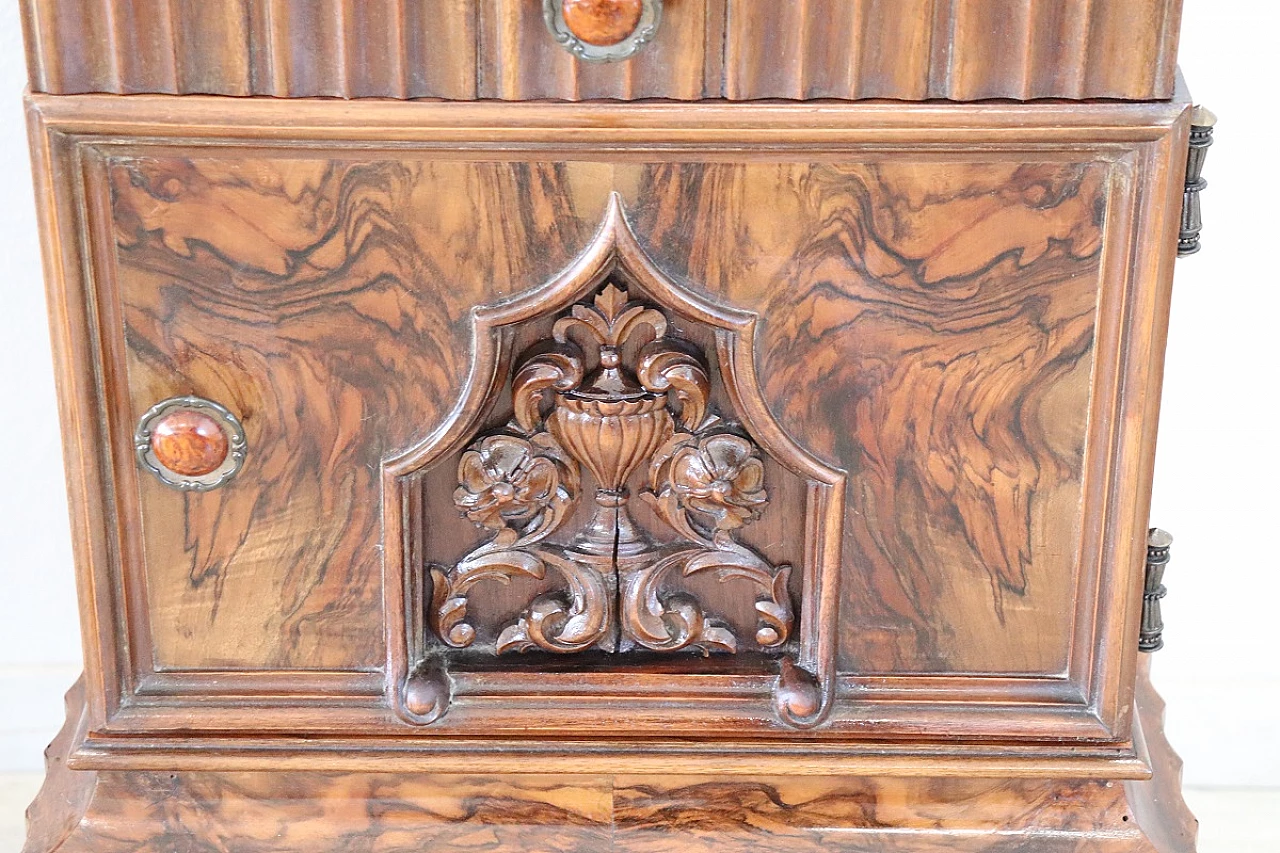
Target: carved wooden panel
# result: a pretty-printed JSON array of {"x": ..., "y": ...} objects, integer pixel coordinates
[
  {"x": 640, "y": 393},
  {"x": 738, "y": 49},
  {"x": 705, "y": 481},
  {"x": 923, "y": 346}
]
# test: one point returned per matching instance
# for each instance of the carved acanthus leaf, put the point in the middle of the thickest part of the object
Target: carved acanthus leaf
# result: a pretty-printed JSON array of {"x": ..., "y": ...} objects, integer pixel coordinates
[
  {"x": 450, "y": 588},
  {"x": 552, "y": 624},
  {"x": 676, "y": 367},
  {"x": 554, "y": 367},
  {"x": 520, "y": 488}
]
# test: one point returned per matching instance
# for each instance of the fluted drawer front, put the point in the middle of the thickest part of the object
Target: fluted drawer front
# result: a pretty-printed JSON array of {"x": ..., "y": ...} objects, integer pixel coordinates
[{"x": 738, "y": 49}]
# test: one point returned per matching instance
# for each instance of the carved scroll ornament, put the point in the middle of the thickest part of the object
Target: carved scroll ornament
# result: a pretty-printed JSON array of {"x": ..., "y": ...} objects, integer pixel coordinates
[{"x": 613, "y": 391}]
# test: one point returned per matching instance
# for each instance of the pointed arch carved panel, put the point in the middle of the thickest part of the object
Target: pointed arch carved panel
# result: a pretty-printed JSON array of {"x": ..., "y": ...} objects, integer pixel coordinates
[{"x": 611, "y": 511}]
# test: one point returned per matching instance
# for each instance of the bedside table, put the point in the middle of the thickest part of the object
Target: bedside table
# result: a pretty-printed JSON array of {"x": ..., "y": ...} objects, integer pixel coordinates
[{"x": 612, "y": 424}]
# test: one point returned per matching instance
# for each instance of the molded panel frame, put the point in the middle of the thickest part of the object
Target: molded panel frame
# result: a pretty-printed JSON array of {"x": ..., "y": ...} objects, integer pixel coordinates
[{"x": 138, "y": 715}]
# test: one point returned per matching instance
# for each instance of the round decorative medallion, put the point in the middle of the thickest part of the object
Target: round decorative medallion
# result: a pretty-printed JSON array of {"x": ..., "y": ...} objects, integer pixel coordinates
[
  {"x": 190, "y": 443},
  {"x": 603, "y": 30},
  {"x": 602, "y": 23}
]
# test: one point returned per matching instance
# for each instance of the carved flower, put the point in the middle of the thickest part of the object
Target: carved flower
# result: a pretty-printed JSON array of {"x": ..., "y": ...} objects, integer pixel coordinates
[
  {"x": 720, "y": 476},
  {"x": 502, "y": 480}
]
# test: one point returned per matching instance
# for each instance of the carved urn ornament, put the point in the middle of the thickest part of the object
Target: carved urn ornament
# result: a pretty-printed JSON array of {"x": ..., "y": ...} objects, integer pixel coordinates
[{"x": 613, "y": 392}]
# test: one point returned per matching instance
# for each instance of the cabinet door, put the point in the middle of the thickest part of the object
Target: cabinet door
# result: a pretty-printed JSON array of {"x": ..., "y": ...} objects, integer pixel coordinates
[{"x": 623, "y": 425}]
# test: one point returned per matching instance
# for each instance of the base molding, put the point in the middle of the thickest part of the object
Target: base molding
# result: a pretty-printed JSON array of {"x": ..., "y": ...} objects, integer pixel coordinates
[{"x": 113, "y": 811}]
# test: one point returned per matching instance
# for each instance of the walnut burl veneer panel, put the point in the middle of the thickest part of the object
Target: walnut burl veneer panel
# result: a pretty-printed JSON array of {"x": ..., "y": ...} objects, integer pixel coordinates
[
  {"x": 942, "y": 313},
  {"x": 325, "y": 302},
  {"x": 738, "y": 49},
  {"x": 941, "y": 317}
]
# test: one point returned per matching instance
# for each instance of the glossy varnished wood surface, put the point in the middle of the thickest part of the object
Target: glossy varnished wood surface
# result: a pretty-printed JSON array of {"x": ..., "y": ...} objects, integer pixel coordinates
[
  {"x": 176, "y": 811},
  {"x": 323, "y": 293},
  {"x": 947, "y": 312},
  {"x": 323, "y": 246},
  {"x": 936, "y": 330},
  {"x": 738, "y": 49}
]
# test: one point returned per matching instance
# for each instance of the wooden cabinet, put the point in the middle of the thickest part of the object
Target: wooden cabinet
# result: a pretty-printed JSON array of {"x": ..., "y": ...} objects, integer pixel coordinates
[{"x": 685, "y": 474}]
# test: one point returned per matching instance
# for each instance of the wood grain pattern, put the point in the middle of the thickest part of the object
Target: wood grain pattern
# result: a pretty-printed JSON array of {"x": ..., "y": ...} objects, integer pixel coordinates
[
  {"x": 974, "y": 297},
  {"x": 187, "y": 810},
  {"x": 856, "y": 814},
  {"x": 955, "y": 372},
  {"x": 281, "y": 48},
  {"x": 324, "y": 291},
  {"x": 312, "y": 246},
  {"x": 739, "y": 49}
]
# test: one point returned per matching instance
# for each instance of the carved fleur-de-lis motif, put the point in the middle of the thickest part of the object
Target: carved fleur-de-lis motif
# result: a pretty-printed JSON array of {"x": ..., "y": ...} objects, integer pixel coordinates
[
  {"x": 612, "y": 319},
  {"x": 578, "y": 401}
]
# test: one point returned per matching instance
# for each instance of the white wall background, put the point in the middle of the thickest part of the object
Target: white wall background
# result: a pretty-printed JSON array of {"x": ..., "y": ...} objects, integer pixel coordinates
[
  {"x": 39, "y": 631},
  {"x": 1217, "y": 469}
]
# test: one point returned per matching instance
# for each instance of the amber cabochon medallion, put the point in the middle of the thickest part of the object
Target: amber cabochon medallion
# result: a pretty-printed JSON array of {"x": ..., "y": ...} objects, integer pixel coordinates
[
  {"x": 603, "y": 30},
  {"x": 190, "y": 443},
  {"x": 602, "y": 22}
]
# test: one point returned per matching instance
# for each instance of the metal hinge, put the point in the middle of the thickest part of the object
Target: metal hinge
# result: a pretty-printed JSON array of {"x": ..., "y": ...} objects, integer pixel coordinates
[
  {"x": 1202, "y": 122},
  {"x": 1158, "y": 543}
]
